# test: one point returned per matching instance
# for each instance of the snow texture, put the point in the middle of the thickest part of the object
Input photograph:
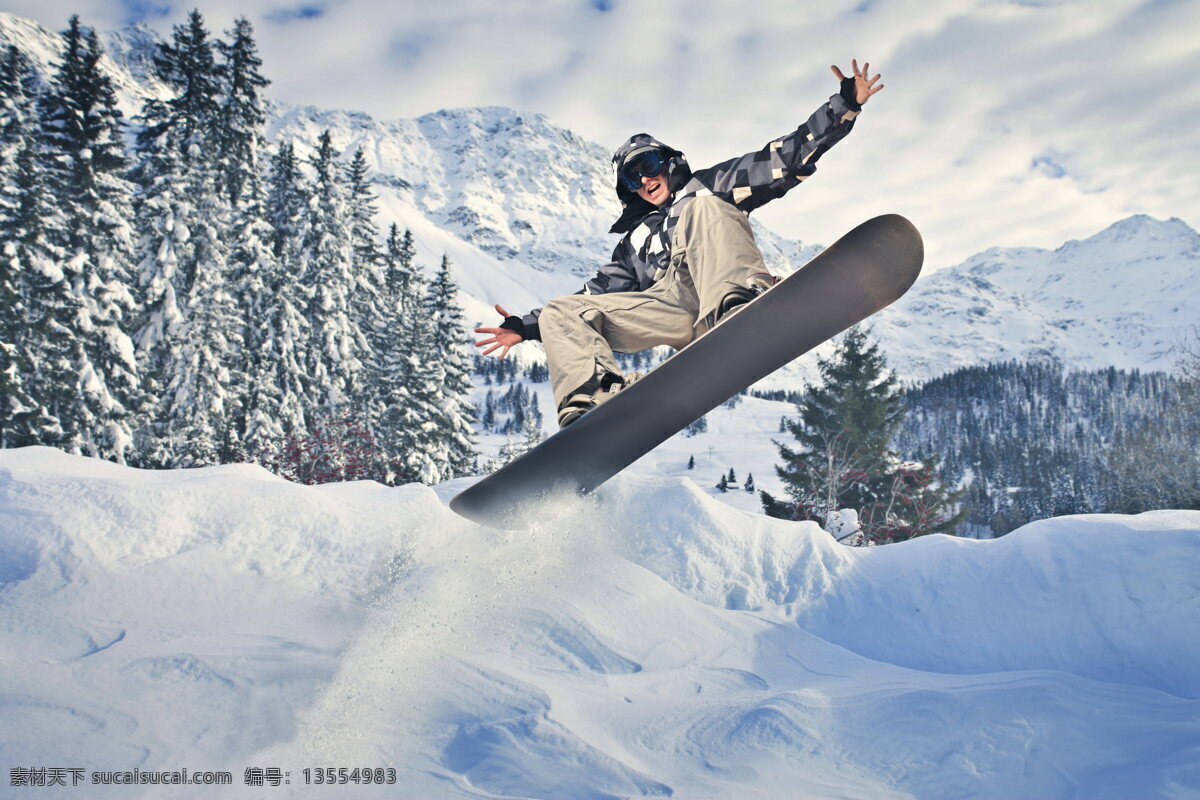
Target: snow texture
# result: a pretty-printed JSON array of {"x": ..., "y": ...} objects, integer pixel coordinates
[{"x": 649, "y": 641}]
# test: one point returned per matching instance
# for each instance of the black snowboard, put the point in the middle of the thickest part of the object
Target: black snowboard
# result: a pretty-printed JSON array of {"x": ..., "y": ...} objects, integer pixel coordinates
[{"x": 866, "y": 270}]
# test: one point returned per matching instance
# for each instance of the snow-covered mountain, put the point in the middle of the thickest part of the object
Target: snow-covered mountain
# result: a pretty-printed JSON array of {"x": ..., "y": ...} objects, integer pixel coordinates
[
  {"x": 523, "y": 207},
  {"x": 646, "y": 642},
  {"x": 1122, "y": 298}
]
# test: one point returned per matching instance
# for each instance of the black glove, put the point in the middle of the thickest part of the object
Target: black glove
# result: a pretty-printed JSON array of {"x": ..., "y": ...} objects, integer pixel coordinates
[
  {"x": 515, "y": 324},
  {"x": 849, "y": 93}
]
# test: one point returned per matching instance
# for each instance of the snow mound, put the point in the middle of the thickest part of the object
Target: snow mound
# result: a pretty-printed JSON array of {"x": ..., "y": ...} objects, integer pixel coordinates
[{"x": 648, "y": 641}]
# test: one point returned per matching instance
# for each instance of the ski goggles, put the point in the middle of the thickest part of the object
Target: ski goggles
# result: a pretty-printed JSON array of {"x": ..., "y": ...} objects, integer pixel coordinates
[{"x": 646, "y": 165}]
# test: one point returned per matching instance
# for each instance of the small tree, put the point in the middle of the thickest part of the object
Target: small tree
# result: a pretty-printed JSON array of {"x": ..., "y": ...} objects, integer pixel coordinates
[
  {"x": 845, "y": 427},
  {"x": 723, "y": 485},
  {"x": 691, "y": 462},
  {"x": 333, "y": 448},
  {"x": 749, "y": 486}
]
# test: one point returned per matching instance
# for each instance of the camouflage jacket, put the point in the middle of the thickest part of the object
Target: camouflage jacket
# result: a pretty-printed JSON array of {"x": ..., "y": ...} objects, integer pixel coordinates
[{"x": 749, "y": 181}]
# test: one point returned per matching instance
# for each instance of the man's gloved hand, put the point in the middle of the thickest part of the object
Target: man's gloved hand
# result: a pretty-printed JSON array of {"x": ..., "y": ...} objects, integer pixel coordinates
[
  {"x": 858, "y": 89},
  {"x": 510, "y": 333}
]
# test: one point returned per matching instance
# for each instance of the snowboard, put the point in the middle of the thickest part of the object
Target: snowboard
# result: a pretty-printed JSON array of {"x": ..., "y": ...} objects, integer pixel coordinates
[{"x": 864, "y": 271}]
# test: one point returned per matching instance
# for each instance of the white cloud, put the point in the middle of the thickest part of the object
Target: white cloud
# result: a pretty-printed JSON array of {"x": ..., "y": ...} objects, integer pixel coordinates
[{"x": 981, "y": 99}]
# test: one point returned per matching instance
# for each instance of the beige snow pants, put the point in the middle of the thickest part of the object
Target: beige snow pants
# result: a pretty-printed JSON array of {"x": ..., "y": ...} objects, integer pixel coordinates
[{"x": 712, "y": 251}]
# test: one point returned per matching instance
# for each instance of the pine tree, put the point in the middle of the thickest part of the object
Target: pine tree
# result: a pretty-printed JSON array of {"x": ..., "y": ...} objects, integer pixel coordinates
[
  {"x": 92, "y": 386},
  {"x": 456, "y": 444},
  {"x": 409, "y": 378},
  {"x": 400, "y": 273},
  {"x": 287, "y": 205},
  {"x": 261, "y": 299},
  {"x": 242, "y": 117},
  {"x": 194, "y": 114},
  {"x": 373, "y": 309},
  {"x": 190, "y": 326},
  {"x": 26, "y": 258},
  {"x": 333, "y": 358},
  {"x": 19, "y": 90},
  {"x": 749, "y": 485},
  {"x": 845, "y": 426},
  {"x": 723, "y": 484},
  {"x": 278, "y": 331},
  {"x": 691, "y": 462},
  {"x": 258, "y": 421}
]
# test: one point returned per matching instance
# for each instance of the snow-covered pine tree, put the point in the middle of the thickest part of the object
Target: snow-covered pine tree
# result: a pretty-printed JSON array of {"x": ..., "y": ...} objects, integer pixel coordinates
[
  {"x": 333, "y": 357},
  {"x": 411, "y": 433},
  {"x": 371, "y": 307},
  {"x": 19, "y": 89},
  {"x": 287, "y": 204},
  {"x": 190, "y": 325},
  {"x": 27, "y": 260},
  {"x": 253, "y": 267},
  {"x": 407, "y": 379},
  {"x": 201, "y": 401},
  {"x": 456, "y": 446},
  {"x": 400, "y": 273},
  {"x": 278, "y": 331},
  {"x": 94, "y": 391},
  {"x": 241, "y": 137},
  {"x": 263, "y": 304}
]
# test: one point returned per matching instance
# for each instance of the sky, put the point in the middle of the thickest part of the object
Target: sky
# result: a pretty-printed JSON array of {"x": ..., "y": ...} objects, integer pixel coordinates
[{"x": 1019, "y": 123}]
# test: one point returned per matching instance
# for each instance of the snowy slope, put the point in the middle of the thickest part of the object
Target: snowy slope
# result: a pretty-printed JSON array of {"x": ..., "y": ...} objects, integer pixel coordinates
[{"x": 646, "y": 642}]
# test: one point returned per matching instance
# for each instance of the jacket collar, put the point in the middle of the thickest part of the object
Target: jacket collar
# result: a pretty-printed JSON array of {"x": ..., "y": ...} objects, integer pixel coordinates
[{"x": 632, "y": 215}]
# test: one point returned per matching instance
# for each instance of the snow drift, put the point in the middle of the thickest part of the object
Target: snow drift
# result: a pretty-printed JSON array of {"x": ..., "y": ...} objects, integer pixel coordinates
[{"x": 647, "y": 641}]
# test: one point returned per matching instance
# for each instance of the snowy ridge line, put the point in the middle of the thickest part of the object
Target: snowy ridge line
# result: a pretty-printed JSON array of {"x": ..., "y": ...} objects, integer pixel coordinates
[{"x": 647, "y": 641}]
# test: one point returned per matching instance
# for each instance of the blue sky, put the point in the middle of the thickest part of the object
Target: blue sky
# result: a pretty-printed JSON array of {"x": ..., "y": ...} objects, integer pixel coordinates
[{"x": 1003, "y": 123}]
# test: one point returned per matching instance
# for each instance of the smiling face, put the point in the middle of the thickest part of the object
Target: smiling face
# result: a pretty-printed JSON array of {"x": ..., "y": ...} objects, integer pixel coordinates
[
  {"x": 654, "y": 188},
  {"x": 646, "y": 175}
]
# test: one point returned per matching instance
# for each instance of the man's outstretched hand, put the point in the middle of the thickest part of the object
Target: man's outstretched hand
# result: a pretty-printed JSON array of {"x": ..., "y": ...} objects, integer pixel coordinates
[
  {"x": 863, "y": 87},
  {"x": 501, "y": 337}
]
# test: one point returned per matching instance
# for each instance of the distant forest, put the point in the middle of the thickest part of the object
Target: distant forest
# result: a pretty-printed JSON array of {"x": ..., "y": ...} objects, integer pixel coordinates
[{"x": 1030, "y": 441}]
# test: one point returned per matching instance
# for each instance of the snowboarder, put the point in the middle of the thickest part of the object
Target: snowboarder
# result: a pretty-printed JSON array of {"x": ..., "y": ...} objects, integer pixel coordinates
[{"x": 687, "y": 257}]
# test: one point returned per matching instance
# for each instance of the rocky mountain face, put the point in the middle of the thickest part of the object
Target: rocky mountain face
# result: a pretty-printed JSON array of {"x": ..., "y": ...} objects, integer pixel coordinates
[{"x": 523, "y": 208}]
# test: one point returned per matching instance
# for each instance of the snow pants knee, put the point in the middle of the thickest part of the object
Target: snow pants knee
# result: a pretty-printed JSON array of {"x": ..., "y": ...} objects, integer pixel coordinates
[{"x": 712, "y": 252}]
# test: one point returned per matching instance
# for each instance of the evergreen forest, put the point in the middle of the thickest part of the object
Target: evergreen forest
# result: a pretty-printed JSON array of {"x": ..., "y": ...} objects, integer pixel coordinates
[
  {"x": 1028, "y": 441},
  {"x": 177, "y": 293}
]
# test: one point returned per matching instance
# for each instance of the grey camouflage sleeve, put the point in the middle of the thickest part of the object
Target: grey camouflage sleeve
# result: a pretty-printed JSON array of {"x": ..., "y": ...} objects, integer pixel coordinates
[{"x": 756, "y": 178}]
